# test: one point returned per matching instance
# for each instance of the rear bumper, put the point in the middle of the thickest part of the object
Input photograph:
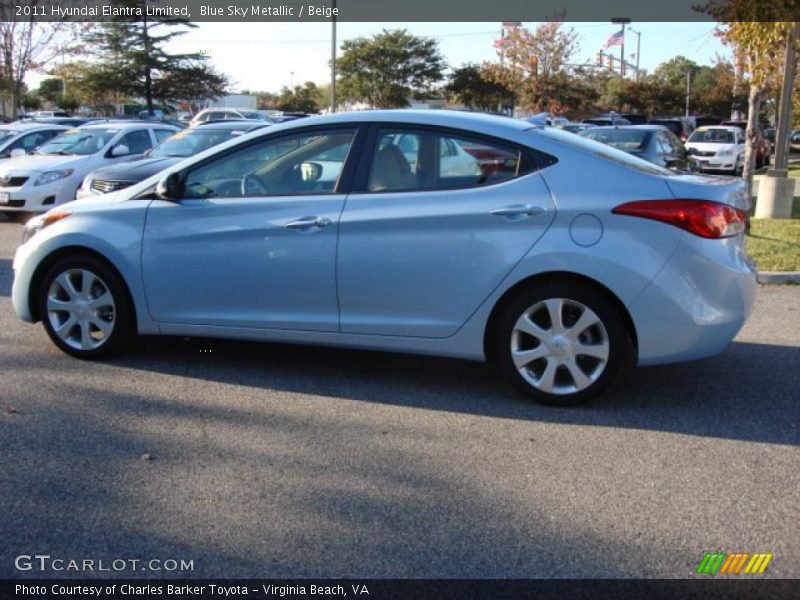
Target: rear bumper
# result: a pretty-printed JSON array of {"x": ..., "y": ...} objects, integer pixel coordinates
[{"x": 697, "y": 303}]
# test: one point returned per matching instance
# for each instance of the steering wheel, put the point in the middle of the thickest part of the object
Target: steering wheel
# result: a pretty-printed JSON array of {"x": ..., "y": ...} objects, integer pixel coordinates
[{"x": 252, "y": 185}]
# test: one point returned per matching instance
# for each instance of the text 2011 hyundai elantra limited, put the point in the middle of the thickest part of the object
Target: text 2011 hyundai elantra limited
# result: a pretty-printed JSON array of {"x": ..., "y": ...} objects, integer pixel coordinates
[{"x": 559, "y": 259}]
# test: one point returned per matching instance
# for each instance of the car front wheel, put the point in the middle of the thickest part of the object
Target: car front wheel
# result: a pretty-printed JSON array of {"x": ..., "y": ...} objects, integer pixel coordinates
[
  {"x": 85, "y": 308},
  {"x": 562, "y": 344}
]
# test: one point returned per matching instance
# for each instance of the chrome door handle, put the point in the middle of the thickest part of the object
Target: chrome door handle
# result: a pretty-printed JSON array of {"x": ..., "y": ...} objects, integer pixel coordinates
[
  {"x": 308, "y": 223},
  {"x": 518, "y": 210}
]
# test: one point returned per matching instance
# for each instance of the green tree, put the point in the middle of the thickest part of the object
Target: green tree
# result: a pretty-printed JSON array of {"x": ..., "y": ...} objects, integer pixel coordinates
[
  {"x": 69, "y": 102},
  {"x": 31, "y": 101},
  {"x": 713, "y": 89},
  {"x": 193, "y": 83},
  {"x": 50, "y": 90},
  {"x": 389, "y": 68},
  {"x": 469, "y": 85},
  {"x": 99, "y": 85},
  {"x": 136, "y": 48},
  {"x": 673, "y": 71},
  {"x": 303, "y": 98}
]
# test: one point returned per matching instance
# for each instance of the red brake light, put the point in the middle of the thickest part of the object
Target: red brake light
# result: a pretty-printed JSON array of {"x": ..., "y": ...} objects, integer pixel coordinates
[{"x": 701, "y": 217}]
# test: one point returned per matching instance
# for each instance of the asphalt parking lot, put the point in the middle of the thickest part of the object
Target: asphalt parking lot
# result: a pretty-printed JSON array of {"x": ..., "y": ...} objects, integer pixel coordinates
[{"x": 283, "y": 461}]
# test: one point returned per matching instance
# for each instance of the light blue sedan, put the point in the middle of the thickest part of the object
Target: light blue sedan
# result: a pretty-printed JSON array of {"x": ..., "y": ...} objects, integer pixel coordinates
[{"x": 559, "y": 259}]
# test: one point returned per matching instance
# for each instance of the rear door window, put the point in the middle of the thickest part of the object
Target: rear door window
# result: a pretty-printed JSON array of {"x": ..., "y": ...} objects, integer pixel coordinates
[{"x": 417, "y": 160}]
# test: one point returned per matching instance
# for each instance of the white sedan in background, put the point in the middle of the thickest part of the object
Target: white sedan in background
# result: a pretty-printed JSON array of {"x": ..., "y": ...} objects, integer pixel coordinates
[
  {"x": 717, "y": 148},
  {"x": 53, "y": 174}
]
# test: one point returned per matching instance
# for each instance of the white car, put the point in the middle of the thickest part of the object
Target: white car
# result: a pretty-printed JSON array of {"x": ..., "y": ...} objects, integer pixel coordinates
[
  {"x": 53, "y": 174},
  {"x": 717, "y": 148},
  {"x": 21, "y": 137},
  {"x": 219, "y": 114}
]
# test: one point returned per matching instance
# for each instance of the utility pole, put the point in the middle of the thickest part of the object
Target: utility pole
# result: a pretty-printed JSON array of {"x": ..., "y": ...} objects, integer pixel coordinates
[
  {"x": 688, "y": 89},
  {"x": 638, "y": 48},
  {"x": 333, "y": 59},
  {"x": 776, "y": 190}
]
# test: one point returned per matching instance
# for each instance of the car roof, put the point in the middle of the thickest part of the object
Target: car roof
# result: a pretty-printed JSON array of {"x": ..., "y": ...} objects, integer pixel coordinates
[
  {"x": 640, "y": 127},
  {"x": 231, "y": 124},
  {"x": 442, "y": 118},
  {"x": 718, "y": 127},
  {"x": 125, "y": 124},
  {"x": 25, "y": 125}
]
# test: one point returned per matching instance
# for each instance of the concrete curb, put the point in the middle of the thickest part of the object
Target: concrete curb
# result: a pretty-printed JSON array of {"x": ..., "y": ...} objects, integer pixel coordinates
[{"x": 779, "y": 277}]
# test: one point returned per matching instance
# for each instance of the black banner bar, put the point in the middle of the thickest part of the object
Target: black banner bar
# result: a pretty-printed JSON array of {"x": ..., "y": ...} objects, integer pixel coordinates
[{"x": 405, "y": 589}]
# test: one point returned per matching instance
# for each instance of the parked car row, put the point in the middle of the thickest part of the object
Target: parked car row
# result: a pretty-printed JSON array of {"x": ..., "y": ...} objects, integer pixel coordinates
[{"x": 52, "y": 164}]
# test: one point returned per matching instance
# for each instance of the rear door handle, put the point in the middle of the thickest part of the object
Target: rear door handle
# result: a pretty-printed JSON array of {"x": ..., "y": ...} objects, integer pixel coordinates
[
  {"x": 308, "y": 223},
  {"x": 518, "y": 211}
]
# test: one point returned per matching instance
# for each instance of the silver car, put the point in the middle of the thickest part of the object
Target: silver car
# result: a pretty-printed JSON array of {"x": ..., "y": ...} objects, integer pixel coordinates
[{"x": 558, "y": 259}]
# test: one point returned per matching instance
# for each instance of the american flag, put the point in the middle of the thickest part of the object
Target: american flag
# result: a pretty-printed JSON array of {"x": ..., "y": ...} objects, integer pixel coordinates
[
  {"x": 614, "y": 40},
  {"x": 503, "y": 42}
]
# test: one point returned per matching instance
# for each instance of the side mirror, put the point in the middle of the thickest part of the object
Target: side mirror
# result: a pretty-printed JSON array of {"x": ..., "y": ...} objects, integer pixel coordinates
[
  {"x": 17, "y": 152},
  {"x": 169, "y": 188},
  {"x": 120, "y": 150},
  {"x": 310, "y": 171}
]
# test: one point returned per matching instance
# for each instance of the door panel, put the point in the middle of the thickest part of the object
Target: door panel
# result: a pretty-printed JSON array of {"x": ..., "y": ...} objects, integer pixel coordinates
[
  {"x": 420, "y": 263},
  {"x": 253, "y": 243},
  {"x": 234, "y": 262}
]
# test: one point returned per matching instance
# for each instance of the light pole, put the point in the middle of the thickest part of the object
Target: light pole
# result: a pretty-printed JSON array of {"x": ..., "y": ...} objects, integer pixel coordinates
[
  {"x": 638, "y": 48},
  {"x": 688, "y": 89},
  {"x": 621, "y": 21}
]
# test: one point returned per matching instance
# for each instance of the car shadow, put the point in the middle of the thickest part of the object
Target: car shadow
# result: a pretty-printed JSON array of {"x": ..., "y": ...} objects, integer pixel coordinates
[{"x": 749, "y": 392}]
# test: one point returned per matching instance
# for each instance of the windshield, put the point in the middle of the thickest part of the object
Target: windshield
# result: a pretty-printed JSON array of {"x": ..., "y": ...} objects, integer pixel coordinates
[
  {"x": 5, "y": 135},
  {"x": 713, "y": 136},
  {"x": 78, "y": 141},
  {"x": 192, "y": 141},
  {"x": 624, "y": 139}
]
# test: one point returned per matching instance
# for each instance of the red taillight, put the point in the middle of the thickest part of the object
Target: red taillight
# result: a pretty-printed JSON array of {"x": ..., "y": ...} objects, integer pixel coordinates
[{"x": 700, "y": 217}]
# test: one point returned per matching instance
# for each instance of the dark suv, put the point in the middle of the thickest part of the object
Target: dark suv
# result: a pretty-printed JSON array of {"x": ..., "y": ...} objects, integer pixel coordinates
[{"x": 680, "y": 126}]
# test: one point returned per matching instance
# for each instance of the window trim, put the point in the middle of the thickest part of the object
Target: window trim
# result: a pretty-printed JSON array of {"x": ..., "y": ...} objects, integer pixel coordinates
[{"x": 527, "y": 163}]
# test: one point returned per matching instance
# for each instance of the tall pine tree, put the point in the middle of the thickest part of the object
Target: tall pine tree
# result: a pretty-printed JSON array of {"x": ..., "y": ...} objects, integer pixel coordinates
[{"x": 136, "y": 47}]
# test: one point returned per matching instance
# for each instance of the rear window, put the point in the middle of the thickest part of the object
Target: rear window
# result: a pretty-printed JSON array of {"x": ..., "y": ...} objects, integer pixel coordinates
[
  {"x": 603, "y": 151},
  {"x": 624, "y": 139},
  {"x": 712, "y": 136}
]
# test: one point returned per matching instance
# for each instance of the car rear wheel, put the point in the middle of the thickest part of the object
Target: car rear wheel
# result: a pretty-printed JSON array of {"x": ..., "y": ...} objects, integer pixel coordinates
[
  {"x": 85, "y": 308},
  {"x": 562, "y": 343}
]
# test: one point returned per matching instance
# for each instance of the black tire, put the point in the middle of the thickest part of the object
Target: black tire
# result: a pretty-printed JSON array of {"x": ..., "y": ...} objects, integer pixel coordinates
[
  {"x": 96, "y": 299},
  {"x": 563, "y": 356}
]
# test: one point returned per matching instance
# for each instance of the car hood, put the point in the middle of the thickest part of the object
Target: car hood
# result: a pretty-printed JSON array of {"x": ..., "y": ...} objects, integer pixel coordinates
[
  {"x": 135, "y": 170},
  {"x": 38, "y": 163},
  {"x": 89, "y": 203},
  {"x": 709, "y": 146}
]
